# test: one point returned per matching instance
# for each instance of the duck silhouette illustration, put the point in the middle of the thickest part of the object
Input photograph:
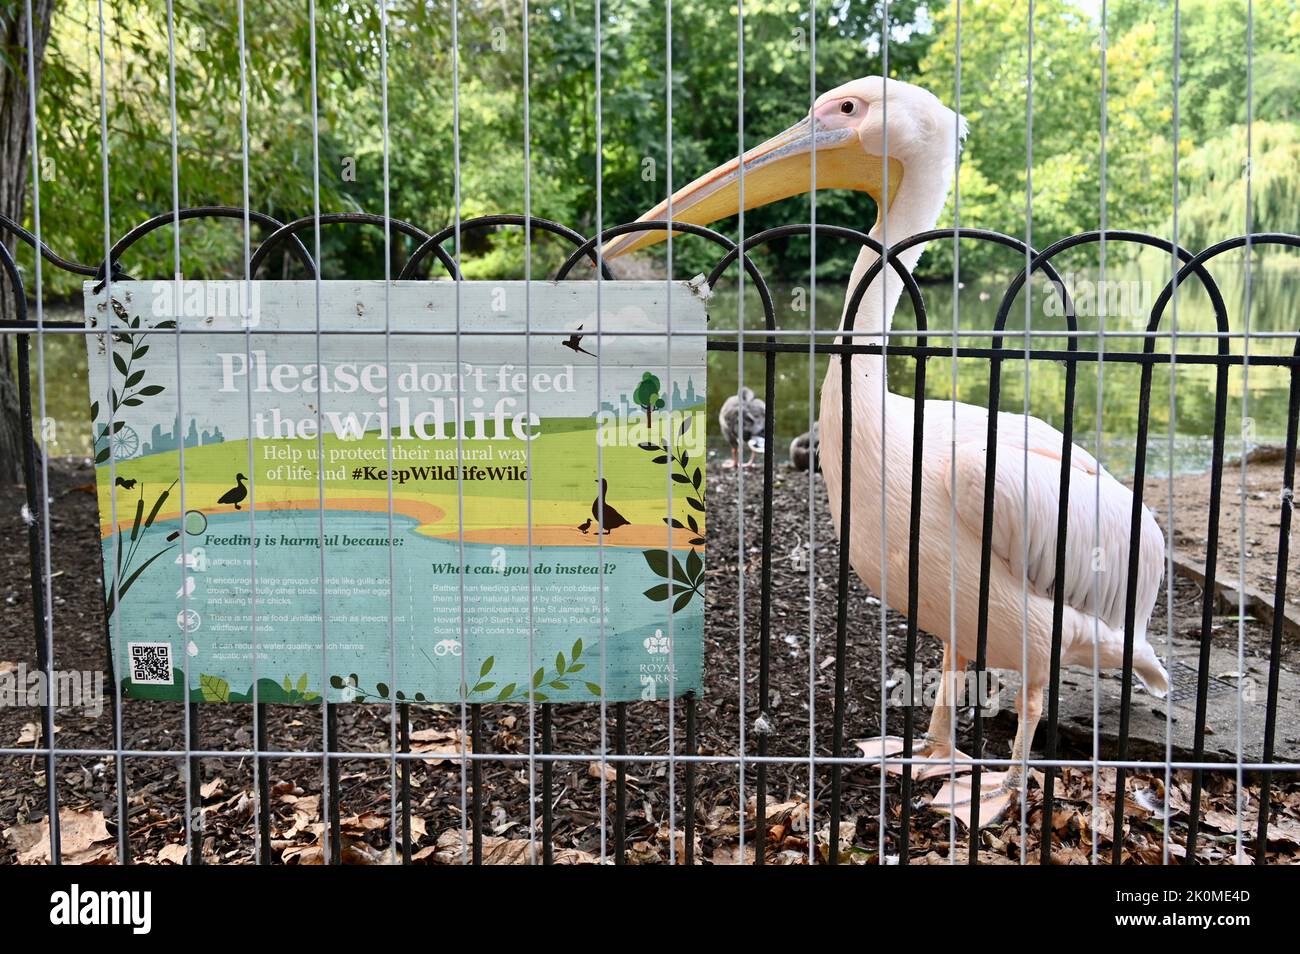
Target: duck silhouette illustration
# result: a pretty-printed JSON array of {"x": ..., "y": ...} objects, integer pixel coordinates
[
  {"x": 612, "y": 518},
  {"x": 236, "y": 494},
  {"x": 585, "y": 525}
]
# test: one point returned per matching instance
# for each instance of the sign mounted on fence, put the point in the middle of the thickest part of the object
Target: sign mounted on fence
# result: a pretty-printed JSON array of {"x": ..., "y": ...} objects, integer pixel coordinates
[{"x": 501, "y": 481}]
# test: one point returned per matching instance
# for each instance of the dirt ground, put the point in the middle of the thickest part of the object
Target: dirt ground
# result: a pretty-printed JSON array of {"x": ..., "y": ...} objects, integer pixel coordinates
[
  {"x": 1261, "y": 490},
  {"x": 156, "y": 785}
]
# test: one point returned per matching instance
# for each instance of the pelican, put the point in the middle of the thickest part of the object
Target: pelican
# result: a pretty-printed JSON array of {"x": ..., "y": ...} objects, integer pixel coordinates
[
  {"x": 846, "y": 127},
  {"x": 743, "y": 419}
]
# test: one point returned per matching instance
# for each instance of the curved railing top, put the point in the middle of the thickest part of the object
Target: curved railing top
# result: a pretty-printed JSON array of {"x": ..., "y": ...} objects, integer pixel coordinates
[{"x": 285, "y": 236}]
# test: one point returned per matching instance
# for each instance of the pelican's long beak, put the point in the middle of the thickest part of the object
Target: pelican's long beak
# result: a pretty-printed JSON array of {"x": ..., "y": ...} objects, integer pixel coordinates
[{"x": 776, "y": 169}]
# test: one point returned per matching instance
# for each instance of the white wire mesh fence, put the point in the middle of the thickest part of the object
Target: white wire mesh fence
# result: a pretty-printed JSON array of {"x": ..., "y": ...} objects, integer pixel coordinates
[{"x": 1034, "y": 560}]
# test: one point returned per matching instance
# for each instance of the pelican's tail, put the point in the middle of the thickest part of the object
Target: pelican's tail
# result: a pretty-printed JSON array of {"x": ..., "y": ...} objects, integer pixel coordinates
[
  {"x": 1110, "y": 653},
  {"x": 1147, "y": 666}
]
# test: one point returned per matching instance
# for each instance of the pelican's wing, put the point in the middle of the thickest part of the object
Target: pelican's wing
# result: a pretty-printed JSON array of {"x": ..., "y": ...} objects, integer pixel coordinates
[{"x": 1025, "y": 516}]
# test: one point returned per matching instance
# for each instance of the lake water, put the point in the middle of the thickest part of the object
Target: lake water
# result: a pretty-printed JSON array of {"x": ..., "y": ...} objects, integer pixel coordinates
[{"x": 1275, "y": 309}]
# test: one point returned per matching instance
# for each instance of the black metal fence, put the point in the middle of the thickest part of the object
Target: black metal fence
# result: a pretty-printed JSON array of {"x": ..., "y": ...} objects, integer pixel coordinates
[{"x": 767, "y": 341}]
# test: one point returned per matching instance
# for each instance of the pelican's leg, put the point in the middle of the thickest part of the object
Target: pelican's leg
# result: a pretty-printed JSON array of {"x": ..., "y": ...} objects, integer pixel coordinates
[
  {"x": 999, "y": 791},
  {"x": 1030, "y": 702},
  {"x": 999, "y": 795},
  {"x": 735, "y": 458},
  {"x": 939, "y": 738},
  {"x": 938, "y": 748}
]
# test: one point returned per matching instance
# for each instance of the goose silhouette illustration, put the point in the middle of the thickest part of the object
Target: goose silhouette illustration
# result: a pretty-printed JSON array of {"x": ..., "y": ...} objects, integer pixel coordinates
[
  {"x": 236, "y": 494},
  {"x": 613, "y": 519}
]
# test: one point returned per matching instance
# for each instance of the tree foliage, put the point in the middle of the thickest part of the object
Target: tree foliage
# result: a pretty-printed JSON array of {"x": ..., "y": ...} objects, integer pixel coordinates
[
  {"x": 1063, "y": 170},
  {"x": 541, "y": 115}
]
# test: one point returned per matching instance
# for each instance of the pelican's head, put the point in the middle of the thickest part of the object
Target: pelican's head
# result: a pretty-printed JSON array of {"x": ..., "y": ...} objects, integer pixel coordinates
[{"x": 850, "y": 130}]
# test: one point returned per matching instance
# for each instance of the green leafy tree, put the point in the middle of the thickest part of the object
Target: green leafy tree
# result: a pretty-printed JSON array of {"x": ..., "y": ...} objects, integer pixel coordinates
[
  {"x": 997, "y": 161},
  {"x": 647, "y": 397}
]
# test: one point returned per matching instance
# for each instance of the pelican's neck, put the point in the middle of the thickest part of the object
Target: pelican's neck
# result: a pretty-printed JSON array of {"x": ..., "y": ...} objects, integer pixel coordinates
[{"x": 918, "y": 202}]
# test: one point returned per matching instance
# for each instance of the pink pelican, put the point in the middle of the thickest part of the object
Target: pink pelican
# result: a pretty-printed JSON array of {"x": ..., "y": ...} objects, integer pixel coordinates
[{"x": 847, "y": 128}]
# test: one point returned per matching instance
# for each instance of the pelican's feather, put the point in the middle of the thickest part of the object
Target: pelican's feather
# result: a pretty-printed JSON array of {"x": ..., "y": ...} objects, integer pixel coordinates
[{"x": 1026, "y": 508}]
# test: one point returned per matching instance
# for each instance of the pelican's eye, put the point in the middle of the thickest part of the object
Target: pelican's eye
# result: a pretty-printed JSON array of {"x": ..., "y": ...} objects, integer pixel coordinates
[{"x": 848, "y": 107}]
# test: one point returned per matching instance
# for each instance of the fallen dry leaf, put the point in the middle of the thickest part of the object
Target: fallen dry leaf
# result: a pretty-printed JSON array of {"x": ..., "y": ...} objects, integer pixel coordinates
[
  {"x": 731, "y": 854},
  {"x": 303, "y": 855},
  {"x": 664, "y": 847},
  {"x": 30, "y": 733},
  {"x": 445, "y": 742},
  {"x": 306, "y": 811},
  {"x": 848, "y": 854},
  {"x": 172, "y": 854},
  {"x": 83, "y": 839},
  {"x": 353, "y": 852},
  {"x": 502, "y": 851},
  {"x": 611, "y": 773},
  {"x": 358, "y": 824},
  {"x": 1228, "y": 821},
  {"x": 211, "y": 788}
]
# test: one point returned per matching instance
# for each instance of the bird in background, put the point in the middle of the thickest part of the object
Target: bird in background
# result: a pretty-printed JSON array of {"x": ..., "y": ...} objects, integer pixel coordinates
[
  {"x": 908, "y": 172},
  {"x": 805, "y": 450},
  {"x": 607, "y": 518},
  {"x": 743, "y": 419},
  {"x": 574, "y": 343},
  {"x": 236, "y": 494}
]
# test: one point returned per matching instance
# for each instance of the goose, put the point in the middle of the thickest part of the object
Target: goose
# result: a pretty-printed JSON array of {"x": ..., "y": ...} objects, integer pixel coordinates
[
  {"x": 743, "y": 419},
  {"x": 804, "y": 450},
  {"x": 847, "y": 128}
]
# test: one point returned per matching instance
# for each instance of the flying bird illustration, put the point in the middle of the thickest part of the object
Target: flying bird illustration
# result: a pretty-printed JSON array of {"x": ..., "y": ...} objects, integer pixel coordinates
[
  {"x": 914, "y": 163},
  {"x": 612, "y": 519},
  {"x": 236, "y": 494},
  {"x": 573, "y": 343}
]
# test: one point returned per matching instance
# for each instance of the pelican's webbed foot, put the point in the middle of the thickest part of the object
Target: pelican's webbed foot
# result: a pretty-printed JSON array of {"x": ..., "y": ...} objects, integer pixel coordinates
[{"x": 999, "y": 793}]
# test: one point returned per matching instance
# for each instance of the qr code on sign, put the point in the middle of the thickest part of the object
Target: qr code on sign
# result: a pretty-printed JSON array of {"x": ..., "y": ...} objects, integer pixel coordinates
[{"x": 151, "y": 663}]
